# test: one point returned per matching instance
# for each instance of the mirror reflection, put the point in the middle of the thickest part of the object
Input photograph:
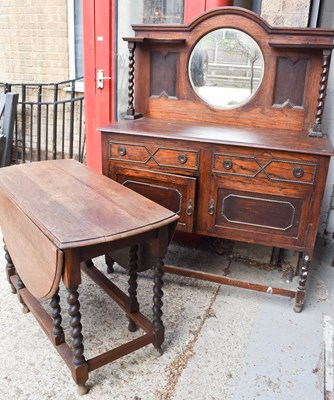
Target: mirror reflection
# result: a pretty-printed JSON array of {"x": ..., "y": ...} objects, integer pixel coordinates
[{"x": 226, "y": 68}]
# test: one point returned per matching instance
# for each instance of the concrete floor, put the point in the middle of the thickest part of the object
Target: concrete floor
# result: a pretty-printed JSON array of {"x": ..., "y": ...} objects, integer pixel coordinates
[{"x": 222, "y": 342}]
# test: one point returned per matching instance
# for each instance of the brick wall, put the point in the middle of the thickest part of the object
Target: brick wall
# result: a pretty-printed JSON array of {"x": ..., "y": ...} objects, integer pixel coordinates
[
  {"x": 33, "y": 41},
  {"x": 294, "y": 13}
]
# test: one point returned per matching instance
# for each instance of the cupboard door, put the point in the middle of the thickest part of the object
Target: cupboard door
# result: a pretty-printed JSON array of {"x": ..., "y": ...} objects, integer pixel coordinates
[
  {"x": 175, "y": 192},
  {"x": 260, "y": 216}
]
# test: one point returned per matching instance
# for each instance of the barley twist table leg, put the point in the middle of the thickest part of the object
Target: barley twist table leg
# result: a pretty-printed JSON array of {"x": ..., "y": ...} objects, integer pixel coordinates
[
  {"x": 57, "y": 329},
  {"x": 158, "y": 326},
  {"x": 21, "y": 285},
  {"x": 133, "y": 276},
  {"x": 75, "y": 331}
]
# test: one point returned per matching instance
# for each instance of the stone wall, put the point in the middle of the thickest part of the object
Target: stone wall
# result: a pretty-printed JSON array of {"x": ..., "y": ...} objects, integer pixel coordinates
[
  {"x": 294, "y": 13},
  {"x": 33, "y": 41}
]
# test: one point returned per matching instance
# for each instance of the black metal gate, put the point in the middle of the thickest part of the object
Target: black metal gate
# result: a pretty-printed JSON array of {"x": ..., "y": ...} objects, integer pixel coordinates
[{"x": 49, "y": 123}]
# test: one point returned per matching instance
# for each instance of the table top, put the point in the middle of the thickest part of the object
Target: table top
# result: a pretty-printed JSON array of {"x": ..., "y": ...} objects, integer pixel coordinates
[
  {"x": 51, "y": 209},
  {"x": 74, "y": 206}
]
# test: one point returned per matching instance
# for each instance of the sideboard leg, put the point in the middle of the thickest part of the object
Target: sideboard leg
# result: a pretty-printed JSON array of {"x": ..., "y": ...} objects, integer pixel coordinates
[
  {"x": 158, "y": 326},
  {"x": 300, "y": 294},
  {"x": 133, "y": 276},
  {"x": 10, "y": 268}
]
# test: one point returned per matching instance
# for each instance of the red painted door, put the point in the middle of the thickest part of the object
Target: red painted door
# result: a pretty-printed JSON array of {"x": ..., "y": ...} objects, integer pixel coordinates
[{"x": 98, "y": 17}]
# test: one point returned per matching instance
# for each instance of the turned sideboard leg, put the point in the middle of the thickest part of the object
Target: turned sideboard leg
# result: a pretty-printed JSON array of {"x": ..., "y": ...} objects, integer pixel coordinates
[
  {"x": 300, "y": 294},
  {"x": 57, "y": 330},
  {"x": 133, "y": 276},
  {"x": 10, "y": 268},
  {"x": 158, "y": 326}
]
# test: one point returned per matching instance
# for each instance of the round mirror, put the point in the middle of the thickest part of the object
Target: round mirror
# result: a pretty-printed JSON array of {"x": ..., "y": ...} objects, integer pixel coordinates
[{"x": 226, "y": 68}]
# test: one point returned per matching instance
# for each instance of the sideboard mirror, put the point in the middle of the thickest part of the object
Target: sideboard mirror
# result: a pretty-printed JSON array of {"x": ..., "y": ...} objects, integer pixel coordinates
[{"x": 226, "y": 68}]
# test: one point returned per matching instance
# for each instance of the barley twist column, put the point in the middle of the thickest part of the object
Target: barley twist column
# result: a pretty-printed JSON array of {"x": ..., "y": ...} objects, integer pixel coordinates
[
  {"x": 316, "y": 131},
  {"x": 57, "y": 329},
  {"x": 75, "y": 331},
  {"x": 158, "y": 326},
  {"x": 133, "y": 276}
]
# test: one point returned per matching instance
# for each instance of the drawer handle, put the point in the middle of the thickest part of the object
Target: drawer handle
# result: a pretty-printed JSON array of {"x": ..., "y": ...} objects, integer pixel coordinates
[
  {"x": 182, "y": 158},
  {"x": 121, "y": 150},
  {"x": 190, "y": 208},
  {"x": 298, "y": 172},
  {"x": 211, "y": 207},
  {"x": 227, "y": 164}
]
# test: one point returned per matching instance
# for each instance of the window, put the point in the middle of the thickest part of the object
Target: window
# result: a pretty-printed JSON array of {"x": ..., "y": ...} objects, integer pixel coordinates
[
  {"x": 75, "y": 29},
  {"x": 139, "y": 11}
]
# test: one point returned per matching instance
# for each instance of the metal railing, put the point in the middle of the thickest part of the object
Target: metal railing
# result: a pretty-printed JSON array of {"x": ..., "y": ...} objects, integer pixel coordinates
[{"x": 49, "y": 123}]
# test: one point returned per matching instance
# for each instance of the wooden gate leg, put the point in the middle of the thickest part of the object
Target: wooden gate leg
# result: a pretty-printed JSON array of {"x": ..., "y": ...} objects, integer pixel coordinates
[
  {"x": 300, "y": 294},
  {"x": 10, "y": 268},
  {"x": 57, "y": 330}
]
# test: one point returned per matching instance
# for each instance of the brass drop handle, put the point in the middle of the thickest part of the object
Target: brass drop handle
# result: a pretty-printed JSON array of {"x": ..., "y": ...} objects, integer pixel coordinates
[
  {"x": 298, "y": 172},
  {"x": 190, "y": 208},
  {"x": 182, "y": 158},
  {"x": 211, "y": 207},
  {"x": 121, "y": 150}
]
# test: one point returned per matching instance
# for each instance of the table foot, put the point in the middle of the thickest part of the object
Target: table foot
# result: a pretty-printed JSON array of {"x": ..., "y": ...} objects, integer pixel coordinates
[
  {"x": 110, "y": 263},
  {"x": 159, "y": 351},
  {"x": 300, "y": 293},
  {"x": 89, "y": 263},
  {"x": 82, "y": 389},
  {"x": 25, "y": 309},
  {"x": 132, "y": 326},
  {"x": 13, "y": 289}
]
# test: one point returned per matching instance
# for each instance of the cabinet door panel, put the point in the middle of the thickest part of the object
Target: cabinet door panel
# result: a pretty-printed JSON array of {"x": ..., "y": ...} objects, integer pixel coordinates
[
  {"x": 253, "y": 210},
  {"x": 260, "y": 217},
  {"x": 175, "y": 192}
]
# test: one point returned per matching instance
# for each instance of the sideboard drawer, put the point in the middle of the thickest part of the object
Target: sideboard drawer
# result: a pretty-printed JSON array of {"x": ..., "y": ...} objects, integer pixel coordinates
[
  {"x": 137, "y": 153},
  {"x": 291, "y": 171},
  {"x": 154, "y": 155},
  {"x": 272, "y": 169}
]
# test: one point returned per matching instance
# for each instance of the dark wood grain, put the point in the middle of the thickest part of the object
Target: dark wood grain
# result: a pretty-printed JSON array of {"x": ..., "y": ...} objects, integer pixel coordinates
[
  {"x": 250, "y": 173},
  {"x": 55, "y": 215}
]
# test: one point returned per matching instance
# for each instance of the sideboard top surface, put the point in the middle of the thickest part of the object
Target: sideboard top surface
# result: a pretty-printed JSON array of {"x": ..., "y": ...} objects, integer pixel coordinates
[{"x": 273, "y": 139}]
